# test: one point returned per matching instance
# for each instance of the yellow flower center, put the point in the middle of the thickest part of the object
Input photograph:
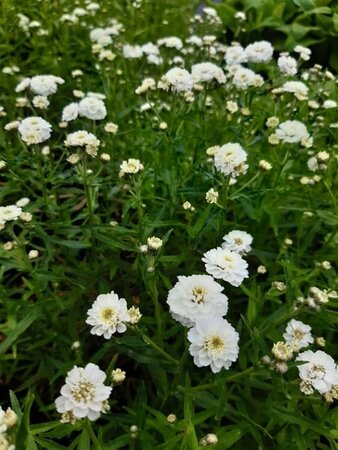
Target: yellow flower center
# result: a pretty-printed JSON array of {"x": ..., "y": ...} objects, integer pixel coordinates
[
  {"x": 198, "y": 294},
  {"x": 83, "y": 391}
]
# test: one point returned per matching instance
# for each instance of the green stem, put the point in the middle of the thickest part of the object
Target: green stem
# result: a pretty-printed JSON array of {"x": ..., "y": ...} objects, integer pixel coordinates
[
  {"x": 233, "y": 196},
  {"x": 87, "y": 189},
  {"x": 92, "y": 435},
  {"x": 157, "y": 348},
  {"x": 158, "y": 313},
  {"x": 236, "y": 376},
  {"x": 42, "y": 176}
]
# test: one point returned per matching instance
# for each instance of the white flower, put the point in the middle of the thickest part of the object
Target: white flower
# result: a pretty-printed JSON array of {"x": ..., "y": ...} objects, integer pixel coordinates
[
  {"x": 287, "y": 65},
  {"x": 171, "y": 42},
  {"x": 207, "y": 71},
  {"x": 179, "y": 80},
  {"x": 297, "y": 88},
  {"x": 131, "y": 166},
  {"x": 234, "y": 55},
  {"x": 260, "y": 51},
  {"x": 150, "y": 49},
  {"x": 82, "y": 138},
  {"x": 214, "y": 342},
  {"x": 328, "y": 104},
  {"x": 40, "y": 101},
  {"x": 211, "y": 196},
  {"x": 132, "y": 51},
  {"x": 108, "y": 315},
  {"x": 238, "y": 241},
  {"x": 34, "y": 130},
  {"x": 304, "y": 52},
  {"x": 45, "y": 84},
  {"x": 111, "y": 127},
  {"x": 312, "y": 164},
  {"x": 92, "y": 108},
  {"x": 298, "y": 334},
  {"x": 292, "y": 131},
  {"x": 244, "y": 78},
  {"x": 196, "y": 296},
  {"x": 70, "y": 112},
  {"x": 154, "y": 243},
  {"x": 226, "y": 265},
  {"x": 8, "y": 213},
  {"x": 24, "y": 84},
  {"x": 230, "y": 159},
  {"x": 320, "y": 370},
  {"x": 118, "y": 376},
  {"x": 84, "y": 393}
]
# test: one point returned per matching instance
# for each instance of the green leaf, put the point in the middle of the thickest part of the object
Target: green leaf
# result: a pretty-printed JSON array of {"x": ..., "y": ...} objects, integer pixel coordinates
[
  {"x": 306, "y": 5},
  {"x": 15, "y": 404},
  {"x": 20, "y": 328},
  {"x": 84, "y": 441},
  {"x": 49, "y": 445}
]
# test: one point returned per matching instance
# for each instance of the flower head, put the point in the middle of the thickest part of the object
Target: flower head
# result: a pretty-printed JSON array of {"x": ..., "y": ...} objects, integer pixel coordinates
[
  {"x": 196, "y": 296},
  {"x": 298, "y": 334},
  {"x": 207, "y": 71},
  {"x": 34, "y": 130},
  {"x": 84, "y": 394},
  {"x": 8, "y": 213},
  {"x": 226, "y": 265},
  {"x": 214, "y": 343},
  {"x": 320, "y": 370},
  {"x": 238, "y": 241},
  {"x": 108, "y": 315},
  {"x": 230, "y": 159},
  {"x": 177, "y": 79},
  {"x": 292, "y": 131}
]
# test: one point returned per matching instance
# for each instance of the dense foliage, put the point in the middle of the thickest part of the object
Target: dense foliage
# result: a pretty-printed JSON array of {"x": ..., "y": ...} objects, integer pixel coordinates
[{"x": 169, "y": 162}]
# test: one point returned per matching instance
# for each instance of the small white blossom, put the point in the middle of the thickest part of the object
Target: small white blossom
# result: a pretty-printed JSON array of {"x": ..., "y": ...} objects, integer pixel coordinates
[
  {"x": 108, "y": 315},
  {"x": 214, "y": 343},
  {"x": 298, "y": 334},
  {"x": 238, "y": 241},
  {"x": 84, "y": 393},
  {"x": 230, "y": 159},
  {"x": 196, "y": 296},
  {"x": 226, "y": 265},
  {"x": 34, "y": 130},
  {"x": 320, "y": 370}
]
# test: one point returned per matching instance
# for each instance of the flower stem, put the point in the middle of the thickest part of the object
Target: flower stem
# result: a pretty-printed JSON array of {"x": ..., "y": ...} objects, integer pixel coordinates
[
  {"x": 88, "y": 192},
  {"x": 157, "y": 348},
  {"x": 41, "y": 175},
  {"x": 92, "y": 435}
]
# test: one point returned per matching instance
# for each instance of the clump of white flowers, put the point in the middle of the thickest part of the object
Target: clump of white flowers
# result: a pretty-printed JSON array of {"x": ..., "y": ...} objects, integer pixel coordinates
[
  {"x": 85, "y": 139},
  {"x": 108, "y": 315},
  {"x": 91, "y": 106},
  {"x": 8, "y": 419},
  {"x": 34, "y": 130},
  {"x": 84, "y": 394},
  {"x": 40, "y": 84}
]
